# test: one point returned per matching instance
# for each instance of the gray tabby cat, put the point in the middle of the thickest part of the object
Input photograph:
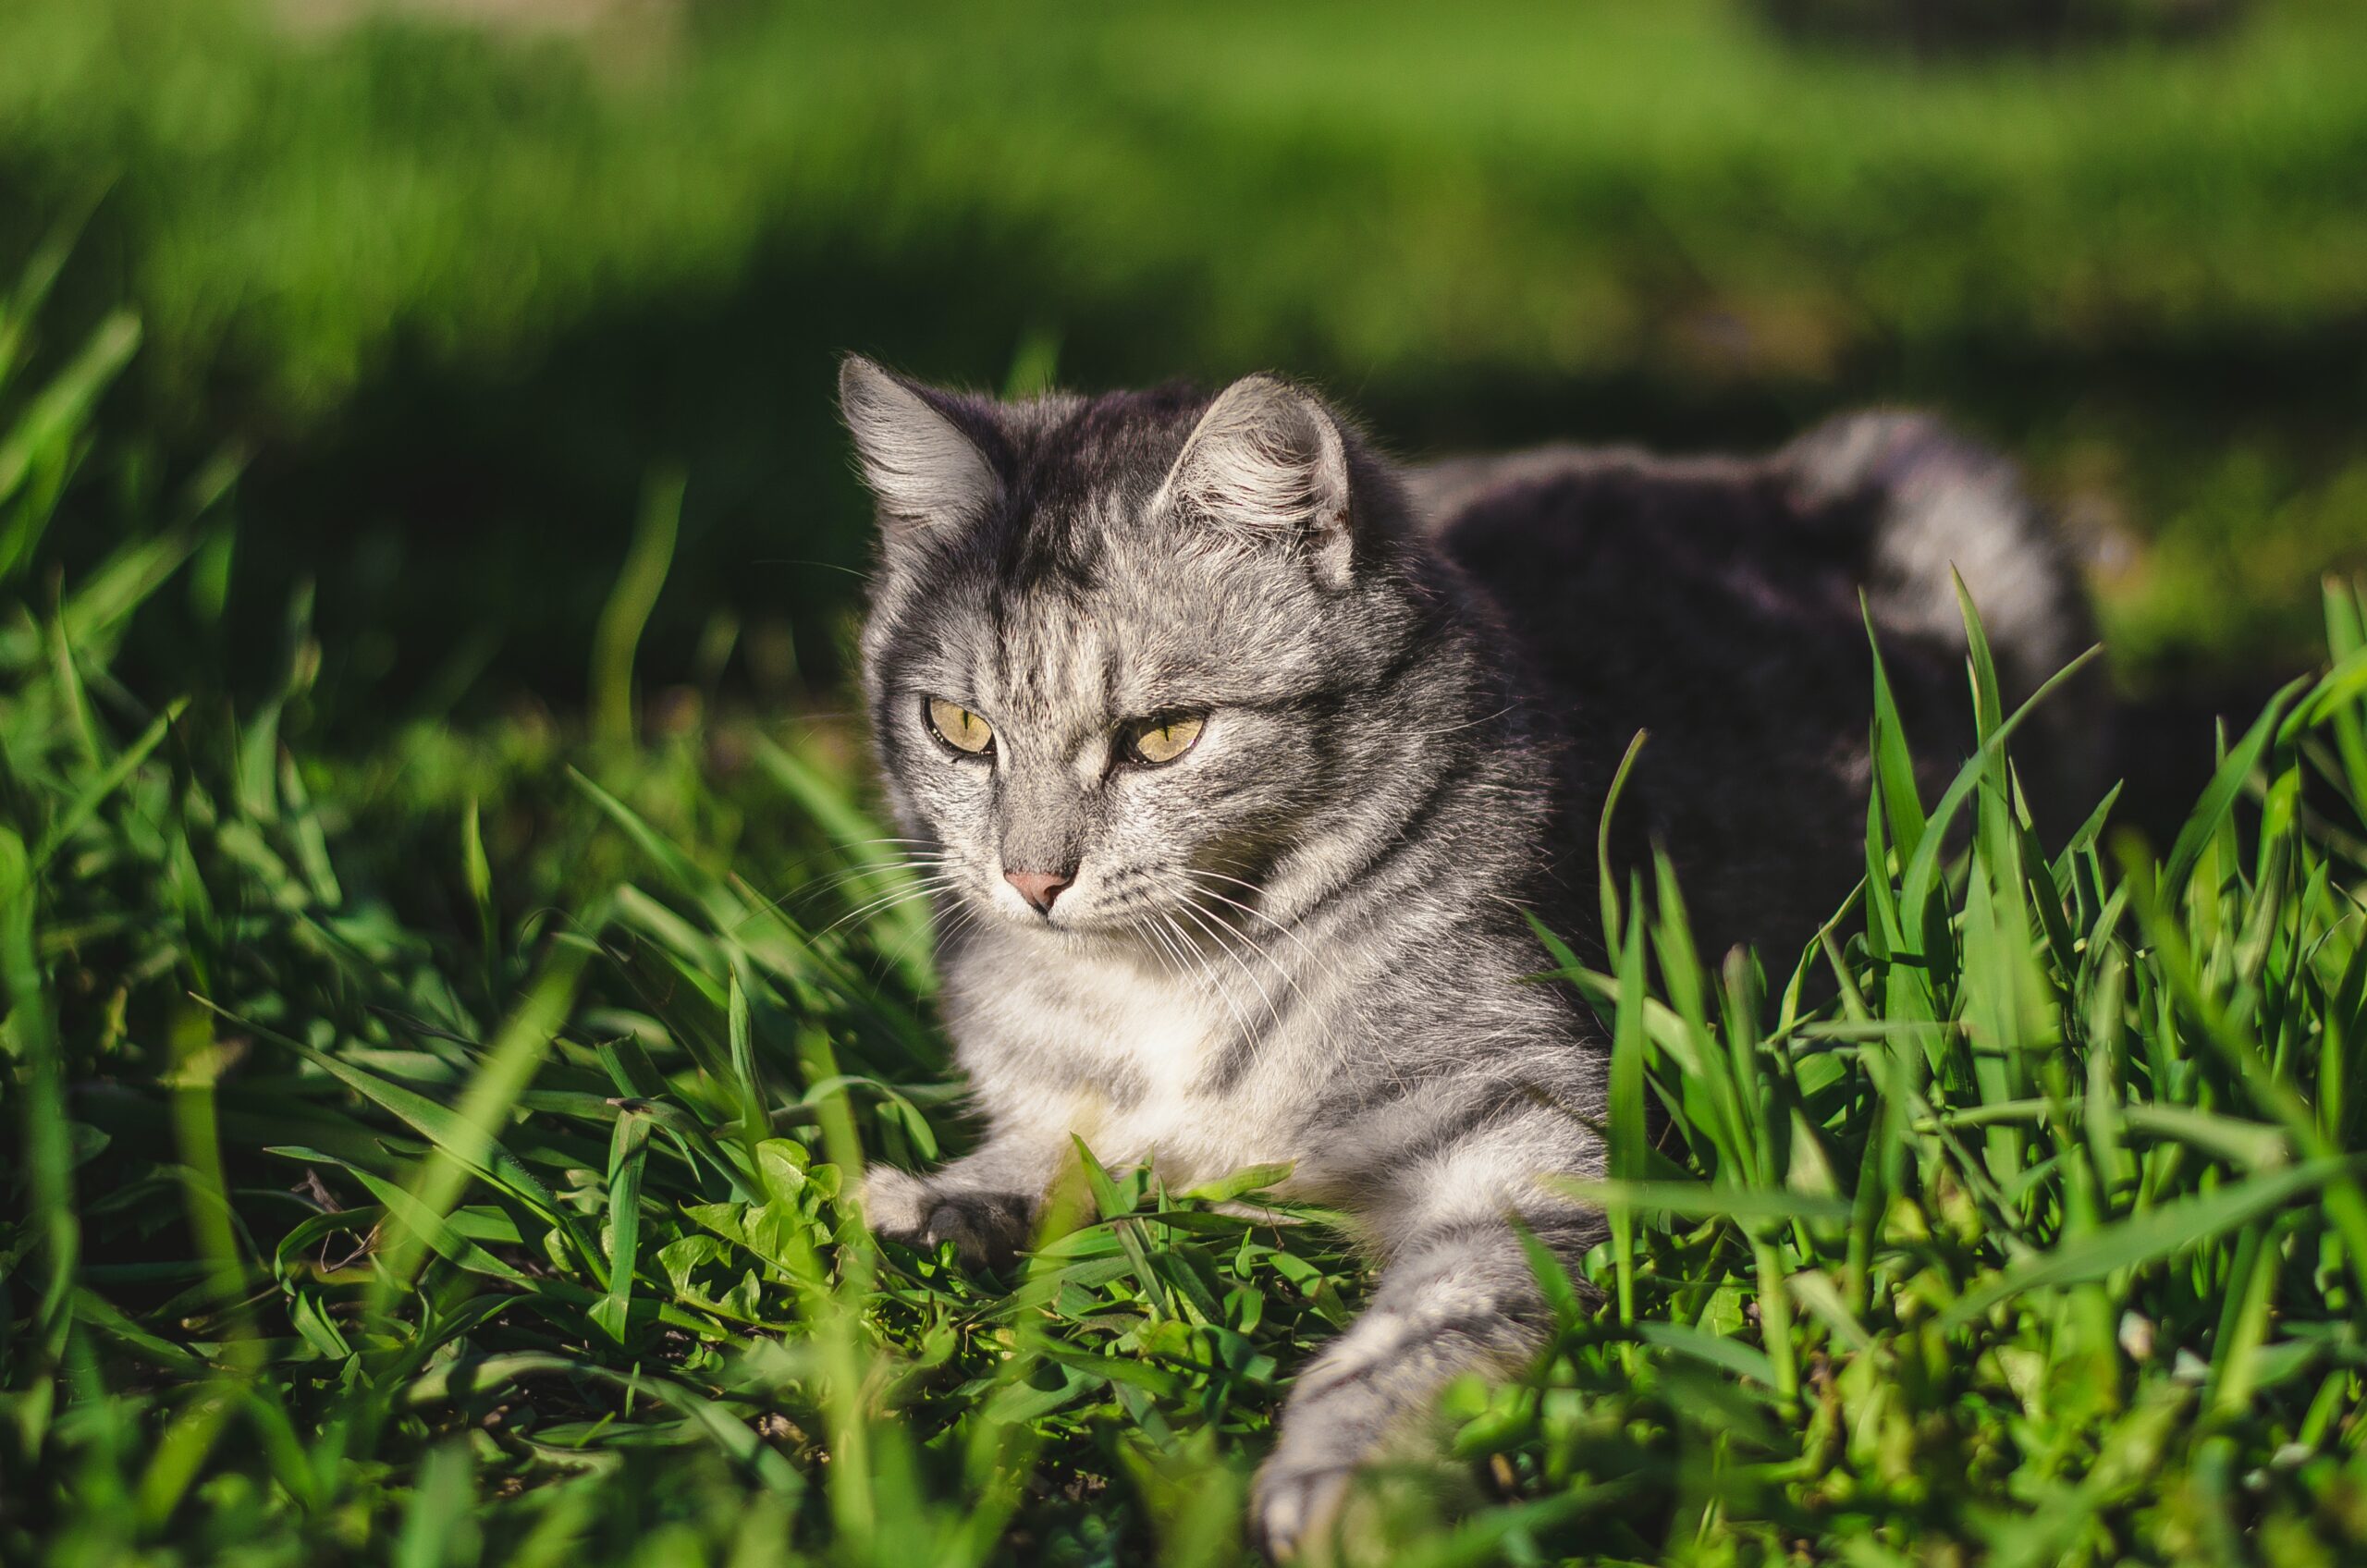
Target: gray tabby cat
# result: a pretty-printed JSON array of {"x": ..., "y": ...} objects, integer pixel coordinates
[{"x": 1237, "y": 758}]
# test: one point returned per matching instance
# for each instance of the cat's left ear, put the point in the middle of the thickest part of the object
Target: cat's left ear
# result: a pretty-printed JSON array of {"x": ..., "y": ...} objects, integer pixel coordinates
[{"x": 1267, "y": 461}]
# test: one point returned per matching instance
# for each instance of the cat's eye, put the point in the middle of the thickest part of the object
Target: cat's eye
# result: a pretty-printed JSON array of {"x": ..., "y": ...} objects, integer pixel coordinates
[
  {"x": 959, "y": 728},
  {"x": 1163, "y": 739}
]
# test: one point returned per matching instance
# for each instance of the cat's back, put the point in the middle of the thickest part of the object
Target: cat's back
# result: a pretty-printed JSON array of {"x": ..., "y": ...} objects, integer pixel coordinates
[{"x": 1715, "y": 603}]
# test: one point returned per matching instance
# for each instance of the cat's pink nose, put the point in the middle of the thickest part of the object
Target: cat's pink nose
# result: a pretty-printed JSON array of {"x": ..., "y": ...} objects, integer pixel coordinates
[{"x": 1039, "y": 887}]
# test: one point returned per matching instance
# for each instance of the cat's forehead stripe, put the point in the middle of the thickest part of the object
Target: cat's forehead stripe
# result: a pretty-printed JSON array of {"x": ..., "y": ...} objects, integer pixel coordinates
[{"x": 1050, "y": 667}]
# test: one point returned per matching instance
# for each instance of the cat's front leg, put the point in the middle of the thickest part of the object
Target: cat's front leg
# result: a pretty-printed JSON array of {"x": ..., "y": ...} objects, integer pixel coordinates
[
  {"x": 985, "y": 1203},
  {"x": 1459, "y": 1296}
]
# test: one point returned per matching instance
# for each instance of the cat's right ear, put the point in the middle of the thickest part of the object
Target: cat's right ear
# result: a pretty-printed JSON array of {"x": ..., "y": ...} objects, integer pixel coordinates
[{"x": 925, "y": 468}]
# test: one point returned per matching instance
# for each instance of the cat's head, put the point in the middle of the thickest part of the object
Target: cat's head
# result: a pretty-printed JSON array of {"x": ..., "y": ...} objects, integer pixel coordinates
[{"x": 1127, "y": 656}]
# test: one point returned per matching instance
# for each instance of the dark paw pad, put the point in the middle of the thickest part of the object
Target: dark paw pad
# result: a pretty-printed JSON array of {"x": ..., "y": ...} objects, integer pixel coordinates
[{"x": 985, "y": 1227}]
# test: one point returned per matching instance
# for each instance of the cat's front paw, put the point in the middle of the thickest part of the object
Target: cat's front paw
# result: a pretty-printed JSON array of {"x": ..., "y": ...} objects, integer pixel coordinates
[
  {"x": 1294, "y": 1507},
  {"x": 987, "y": 1229},
  {"x": 895, "y": 1203}
]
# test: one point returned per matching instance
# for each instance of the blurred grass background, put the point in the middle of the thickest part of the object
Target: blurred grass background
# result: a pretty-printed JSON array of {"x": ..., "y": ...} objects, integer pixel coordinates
[
  {"x": 469, "y": 360},
  {"x": 457, "y": 275}
]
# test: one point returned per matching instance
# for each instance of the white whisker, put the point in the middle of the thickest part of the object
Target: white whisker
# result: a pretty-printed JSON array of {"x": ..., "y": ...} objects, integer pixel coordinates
[
  {"x": 1216, "y": 933},
  {"x": 921, "y": 890}
]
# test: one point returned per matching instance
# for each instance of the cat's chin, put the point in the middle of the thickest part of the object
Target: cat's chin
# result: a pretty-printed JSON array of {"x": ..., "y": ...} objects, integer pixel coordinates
[
  {"x": 1011, "y": 915},
  {"x": 1074, "y": 928},
  {"x": 1085, "y": 929}
]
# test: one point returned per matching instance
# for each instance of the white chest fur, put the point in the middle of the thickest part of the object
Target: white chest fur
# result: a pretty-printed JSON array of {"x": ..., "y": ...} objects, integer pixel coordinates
[{"x": 1117, "y": 1050}]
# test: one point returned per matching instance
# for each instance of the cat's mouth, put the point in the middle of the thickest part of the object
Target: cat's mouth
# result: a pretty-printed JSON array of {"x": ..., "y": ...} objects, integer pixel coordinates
[
  {"x": 1090, "y": 912},
  {"x": 1185, "y": 912},
  {"x": 1086, "y": 917}
]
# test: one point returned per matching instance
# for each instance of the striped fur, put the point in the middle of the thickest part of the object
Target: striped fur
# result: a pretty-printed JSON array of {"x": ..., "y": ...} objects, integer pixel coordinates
[{"x": 1302, "y": 942}]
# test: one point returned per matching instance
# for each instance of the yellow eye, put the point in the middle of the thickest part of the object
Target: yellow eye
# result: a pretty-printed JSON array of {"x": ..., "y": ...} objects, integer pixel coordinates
[
  {"x": 1164, "y": 740},
  {"x": 959, "y": 728}
]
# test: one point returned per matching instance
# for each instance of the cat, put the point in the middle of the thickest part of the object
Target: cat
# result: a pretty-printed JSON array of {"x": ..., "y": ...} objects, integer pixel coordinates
[{"x": 1238, "y": 759}]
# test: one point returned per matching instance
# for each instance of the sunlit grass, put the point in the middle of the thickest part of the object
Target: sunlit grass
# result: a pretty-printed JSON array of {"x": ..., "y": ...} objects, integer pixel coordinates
[{"x": 444, "y": 1155}]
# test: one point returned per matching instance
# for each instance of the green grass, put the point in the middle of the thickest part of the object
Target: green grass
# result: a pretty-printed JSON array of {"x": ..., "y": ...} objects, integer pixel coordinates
[
  {"x": 1512, "y": 184},
  {"x": 518, "y": 271},
  {"x": 439, "y": 1155}
]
